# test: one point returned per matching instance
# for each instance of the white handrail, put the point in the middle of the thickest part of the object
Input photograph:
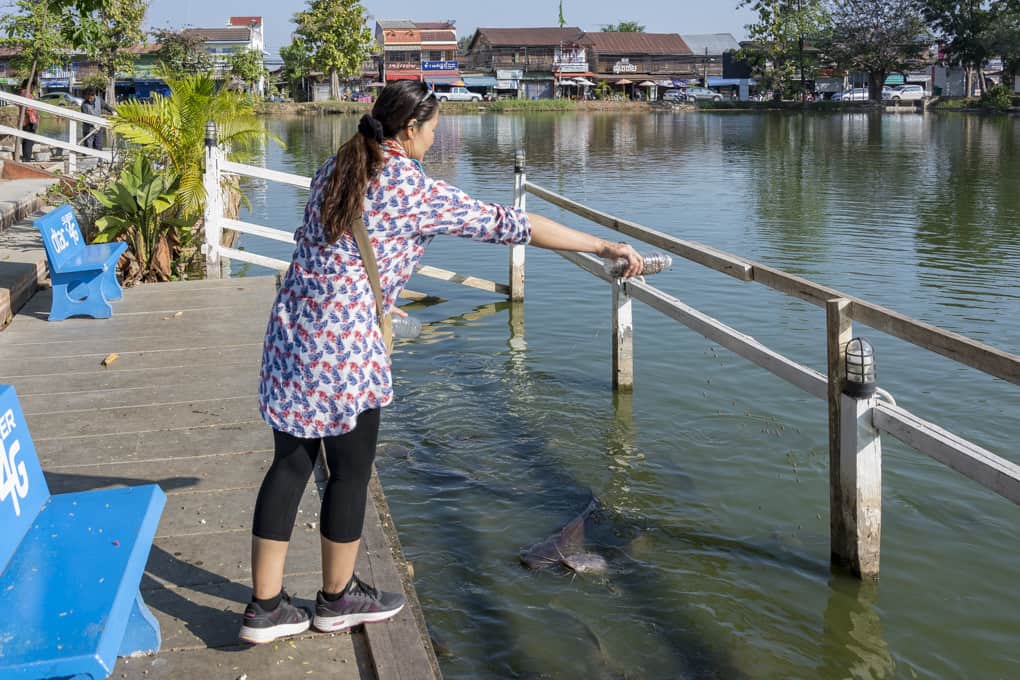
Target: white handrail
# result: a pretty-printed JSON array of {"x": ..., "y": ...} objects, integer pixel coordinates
[
  {"x": 265, "y": 173},
  {"x": 60, "y": 144},
  {"x": 257, "y": 230},
  {"x": 60, "y": 111}
]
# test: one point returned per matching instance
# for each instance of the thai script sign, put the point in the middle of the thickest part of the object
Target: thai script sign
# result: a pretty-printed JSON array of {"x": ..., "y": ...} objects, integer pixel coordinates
[
  {"x": 573, "y": 67},
  {"x": 439, "y": 66},
  {"x": 402, "y": 66},
  {"x": 511, "y": 74},
  {"x": 624, "y": 66}
]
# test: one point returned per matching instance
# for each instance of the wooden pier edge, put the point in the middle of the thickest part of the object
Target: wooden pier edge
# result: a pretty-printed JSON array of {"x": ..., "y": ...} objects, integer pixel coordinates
[{"x": 401, "y": 649}]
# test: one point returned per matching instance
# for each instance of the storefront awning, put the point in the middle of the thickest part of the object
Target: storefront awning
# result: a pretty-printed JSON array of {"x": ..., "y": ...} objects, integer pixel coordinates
[
  {"x": 480, "y": 81},
  {"x": 730, "y": 82},
  {"x": 390, "y": 77},
  {"x": 444, "y": 80}
]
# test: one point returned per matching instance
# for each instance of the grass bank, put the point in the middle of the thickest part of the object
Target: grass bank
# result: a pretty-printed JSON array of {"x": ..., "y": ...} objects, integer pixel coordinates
[{"x": 503, "y": 106}]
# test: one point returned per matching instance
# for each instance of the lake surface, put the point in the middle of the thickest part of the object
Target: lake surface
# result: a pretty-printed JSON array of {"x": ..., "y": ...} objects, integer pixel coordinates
[{"x": 713, "y": 475}]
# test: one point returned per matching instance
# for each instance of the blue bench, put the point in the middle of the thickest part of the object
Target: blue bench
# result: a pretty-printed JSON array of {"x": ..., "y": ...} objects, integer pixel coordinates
[
  {"x": 70, "y": 566},
  {"x": 84, "y": 276}
]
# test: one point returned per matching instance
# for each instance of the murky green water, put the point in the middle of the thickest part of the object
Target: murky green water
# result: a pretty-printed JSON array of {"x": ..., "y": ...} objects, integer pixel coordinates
[{"x": 714, "y": 474}]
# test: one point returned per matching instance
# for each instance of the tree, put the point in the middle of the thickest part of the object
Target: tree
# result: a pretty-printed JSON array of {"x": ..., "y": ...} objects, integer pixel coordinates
[
  {"x": 337, "y": 37},
  {"x": 105, "y": 30},
  {"x": 961, "y": 24},
  {"x": 779, "y": 36},
  {"x": 623, "y": 27},
  {"x": 563, "y": 22},
  {"x": 876, "y": 36},
  {"x": 297, "y": 65},
  {"x": 1002, "y": 38},
  {"x": 249, "y": 67},
  {"x": 35, "y": 33},
  {"x": 181, "y": 52}
]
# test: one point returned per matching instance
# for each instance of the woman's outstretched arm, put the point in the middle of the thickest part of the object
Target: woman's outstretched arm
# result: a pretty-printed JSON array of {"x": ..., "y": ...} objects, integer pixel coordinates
[{"x": 546, "y": 233}]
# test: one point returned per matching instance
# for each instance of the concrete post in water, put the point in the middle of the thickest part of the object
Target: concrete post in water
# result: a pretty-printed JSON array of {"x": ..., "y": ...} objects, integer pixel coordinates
[
  {"x": 72, "y": 138},
  {"x": 860, "y": 456},
  {"x": 517, "y": 252},
  {"x": 213, "y": 202},
  {"x": 623, "y": 338}
]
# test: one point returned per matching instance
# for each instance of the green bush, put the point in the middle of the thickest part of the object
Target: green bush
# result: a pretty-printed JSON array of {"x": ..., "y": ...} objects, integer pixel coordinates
[
  {"x": 997, "y": 98},
  {"x": 510, "y": 105}
]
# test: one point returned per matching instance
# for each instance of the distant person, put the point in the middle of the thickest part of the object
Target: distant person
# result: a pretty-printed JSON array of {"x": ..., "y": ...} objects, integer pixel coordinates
[
  {"x": 29, "y": 123},
  {"x": 325, "y": 372},
  {"x": 94, "y": 106}
]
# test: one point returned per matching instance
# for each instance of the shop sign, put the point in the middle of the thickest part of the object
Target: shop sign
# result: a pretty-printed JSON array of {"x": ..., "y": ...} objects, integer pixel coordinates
[
  {"x": 402, "y": 66},
  {"x": 511, "y": 74},
  {"x": 439, "y": 66},
  {"x": 506, "y": 84},
  {"x": 575, "y": 67},
  {"x": 624, "y": 66}
]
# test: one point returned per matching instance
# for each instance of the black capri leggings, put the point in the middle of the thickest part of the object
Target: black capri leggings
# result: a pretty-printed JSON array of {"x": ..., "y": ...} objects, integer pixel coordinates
[{"x": 349, "y": 459}]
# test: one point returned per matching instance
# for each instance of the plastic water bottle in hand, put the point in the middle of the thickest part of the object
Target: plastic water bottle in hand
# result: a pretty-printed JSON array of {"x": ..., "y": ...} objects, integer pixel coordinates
[
  {"x": 406, "y": 327},
  {"x": 654, "y": 263}
]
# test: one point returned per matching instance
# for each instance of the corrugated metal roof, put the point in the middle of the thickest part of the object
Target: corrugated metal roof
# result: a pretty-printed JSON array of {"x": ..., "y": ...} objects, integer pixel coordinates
[
  {"x": 395, "y": 23},
  {"x": 439, "y": 36},
  {"x": 529, "y": 37},
  {"x": 636, "y": 43},
  {"x": 715, "y": 43},
  {"x": 220, "y": 34}
]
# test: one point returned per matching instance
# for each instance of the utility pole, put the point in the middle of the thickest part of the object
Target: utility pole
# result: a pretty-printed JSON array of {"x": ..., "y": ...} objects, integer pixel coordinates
[{"x": 800, "y": 48}]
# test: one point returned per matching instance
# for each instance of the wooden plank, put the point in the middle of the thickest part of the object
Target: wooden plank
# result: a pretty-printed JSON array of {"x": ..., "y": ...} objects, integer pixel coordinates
[
  {"x": 623, "y": 339},
  {"x": 838, "y": 332},
  {"x": 257, "y": 230},
  {"x": 691, "y": 250},
  {"x": 260, "y": 260},
  {"x": 50, "y": 141},
  {"x": 589, "y": 263},
  {"x": 969, "y": 459},
  {"x": 400, "y": 647},
  {"x": 796, "y": 374},
  {"x": 454, "y": 277},
  {"x": 59, "y": 111},
  {"x": 860, "y": 468},
  {"x": 265, "y": 173}
]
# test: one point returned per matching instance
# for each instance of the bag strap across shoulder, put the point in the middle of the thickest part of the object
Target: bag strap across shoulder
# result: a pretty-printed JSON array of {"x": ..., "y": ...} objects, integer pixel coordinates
[{"x": 364, "y": 242}]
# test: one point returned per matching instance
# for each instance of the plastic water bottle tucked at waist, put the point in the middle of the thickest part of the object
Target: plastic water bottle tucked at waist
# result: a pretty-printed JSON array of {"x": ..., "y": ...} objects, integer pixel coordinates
[
  {"x": 654, "y": 263},
  {"x": 406, "y": 327}
]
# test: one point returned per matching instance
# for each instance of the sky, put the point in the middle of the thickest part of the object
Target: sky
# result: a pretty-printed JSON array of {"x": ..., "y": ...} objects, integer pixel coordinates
[{"x": 658, "y": 16}]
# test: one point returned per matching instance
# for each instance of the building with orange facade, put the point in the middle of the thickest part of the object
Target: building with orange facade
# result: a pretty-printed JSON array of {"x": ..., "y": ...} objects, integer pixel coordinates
[{"x": 418, "y": 50}]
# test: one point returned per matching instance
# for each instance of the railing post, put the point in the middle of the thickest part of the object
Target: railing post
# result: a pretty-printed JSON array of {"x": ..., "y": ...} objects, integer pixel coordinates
[
  {"x": 72, "y": 138},
  {"x": 517, "y": 252},
  {"x": 623, "y": 338},
  {"x": 213, "y": 214},
  {"x": 855, "y": 458}
]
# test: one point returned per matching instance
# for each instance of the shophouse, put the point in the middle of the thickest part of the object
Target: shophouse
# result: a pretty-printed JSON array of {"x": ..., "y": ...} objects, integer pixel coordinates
[
  {"x": 418, "y": 50},
  {"x": 639, "y": 64},
  {"x": 533, "y": 63}
]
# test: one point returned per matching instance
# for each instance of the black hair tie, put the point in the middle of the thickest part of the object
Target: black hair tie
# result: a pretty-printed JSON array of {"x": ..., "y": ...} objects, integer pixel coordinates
[{"x": 371, "y": 128}]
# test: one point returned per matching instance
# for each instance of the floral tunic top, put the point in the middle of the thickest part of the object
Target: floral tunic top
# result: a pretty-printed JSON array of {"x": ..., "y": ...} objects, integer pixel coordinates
[{"x": 323, "y": 359}]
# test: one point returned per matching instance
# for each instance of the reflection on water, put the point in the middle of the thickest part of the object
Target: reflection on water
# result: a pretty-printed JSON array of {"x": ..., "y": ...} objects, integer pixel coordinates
[{"x": 713, "y": 473}]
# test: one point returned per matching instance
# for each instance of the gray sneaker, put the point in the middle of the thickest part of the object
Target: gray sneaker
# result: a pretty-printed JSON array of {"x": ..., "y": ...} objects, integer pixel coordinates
[
  {"x": 360, "y": 603},
  {"x": 261, "y": 626}
]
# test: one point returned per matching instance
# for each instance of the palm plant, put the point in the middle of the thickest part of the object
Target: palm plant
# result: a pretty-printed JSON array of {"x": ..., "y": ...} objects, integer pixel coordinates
[{"x": 171, "y": 130}]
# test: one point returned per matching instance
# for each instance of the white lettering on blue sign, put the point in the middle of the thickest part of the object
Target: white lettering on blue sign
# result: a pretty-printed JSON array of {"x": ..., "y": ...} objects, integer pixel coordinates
[
  {"x": 13, "y": 476},
  {"x": 68, "y": 230}
]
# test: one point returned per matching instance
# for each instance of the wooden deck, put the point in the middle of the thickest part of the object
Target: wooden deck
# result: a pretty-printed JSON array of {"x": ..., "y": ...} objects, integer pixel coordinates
[{"x": 178, "y": 407}]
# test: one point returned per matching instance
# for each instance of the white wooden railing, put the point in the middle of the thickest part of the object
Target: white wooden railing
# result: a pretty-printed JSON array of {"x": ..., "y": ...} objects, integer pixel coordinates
[
  {"x": 72, "y": 117},
  {"x": 855, "y": 425}
]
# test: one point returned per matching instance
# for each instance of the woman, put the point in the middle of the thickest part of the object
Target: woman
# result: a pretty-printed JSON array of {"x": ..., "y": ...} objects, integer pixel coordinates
[
  {"x": 325, "y": 371},
  {"x": 29, "y": 123}
]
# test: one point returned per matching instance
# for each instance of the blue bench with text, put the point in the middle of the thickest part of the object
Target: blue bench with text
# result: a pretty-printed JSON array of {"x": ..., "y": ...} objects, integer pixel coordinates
[
  {"x": 84, "y": 276},
  {"x": 70, "y": 566}
]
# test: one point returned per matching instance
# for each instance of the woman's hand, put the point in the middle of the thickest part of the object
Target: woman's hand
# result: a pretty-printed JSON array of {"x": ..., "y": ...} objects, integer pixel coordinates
[
  {"x": 397, "y": 311},
  {"x": 612, "y": 251}
]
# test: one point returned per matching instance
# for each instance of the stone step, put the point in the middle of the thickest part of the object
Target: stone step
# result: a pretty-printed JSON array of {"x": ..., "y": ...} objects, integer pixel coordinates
[{"x": 22, "y": 268}]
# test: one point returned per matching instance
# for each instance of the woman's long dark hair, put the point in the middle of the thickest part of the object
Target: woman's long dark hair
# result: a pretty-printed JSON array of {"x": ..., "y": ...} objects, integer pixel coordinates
[{"x": 360, "y": 159}]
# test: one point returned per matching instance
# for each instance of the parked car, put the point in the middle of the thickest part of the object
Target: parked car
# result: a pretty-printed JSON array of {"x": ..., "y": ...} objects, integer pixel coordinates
[
  {"x": 904, "y": 93},
  {"x": 459, "y": 94},
  {"x": 61, "y": 99},
  {"x": 674, "y": 96},
  {"x": 696, "y": 93}
]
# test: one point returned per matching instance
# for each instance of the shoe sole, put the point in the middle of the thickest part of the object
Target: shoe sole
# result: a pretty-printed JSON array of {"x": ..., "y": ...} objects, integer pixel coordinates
[
  {"x": 260, "y": 636},
  {"x": 331, "y": 624}
]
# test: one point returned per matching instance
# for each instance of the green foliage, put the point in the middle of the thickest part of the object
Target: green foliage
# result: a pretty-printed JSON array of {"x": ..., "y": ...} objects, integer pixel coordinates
[
  {"x": 603, "y": 89},
  {"x": 875, "y": 36},
  {"x": 248, "y": 67},
  {"x": 562, "y": 21},
  {"x": 997, "y": 98},
  {"x": 337, "y": 38},
  {"x": 297, "y": 65},
  {"x": 181, "y": 52},
  {"x": 104, "y": 30},
  {"x": 623, "y": 27},
  {"x": 139, "y": 211},
  {"x": 779, "y": 35},
  {"x": 961, "y": 24},
  {"x": 525, "y": 105},
  {"x": 95, "y": 81},
  {"x": 34, "y": 31},
  {"x": 171, "y": 130},
  {"x": 1002, "y": 37}
]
